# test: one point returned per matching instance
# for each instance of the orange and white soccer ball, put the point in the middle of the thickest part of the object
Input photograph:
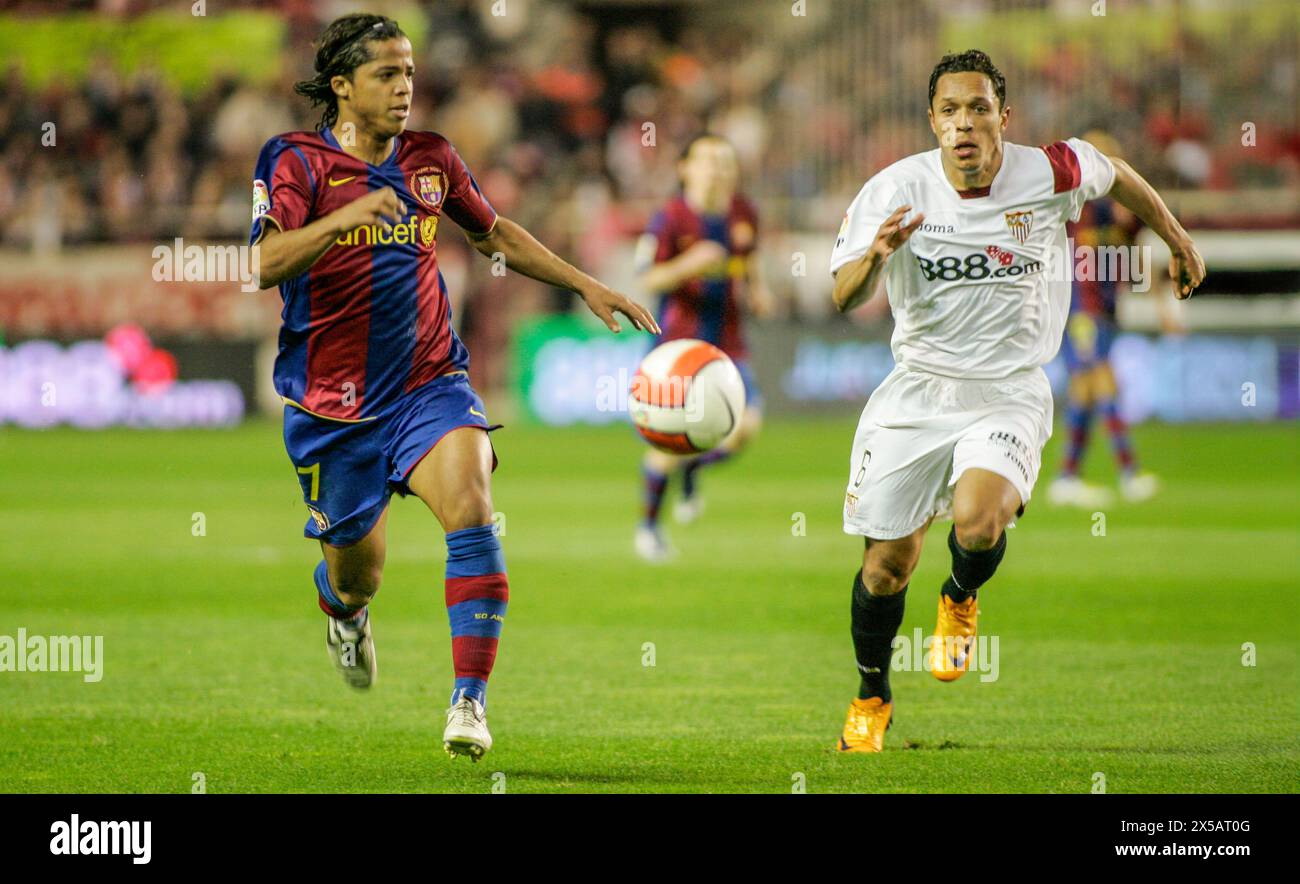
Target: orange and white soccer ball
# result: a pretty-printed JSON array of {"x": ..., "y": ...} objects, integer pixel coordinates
[{"x": 686, "y": 397}]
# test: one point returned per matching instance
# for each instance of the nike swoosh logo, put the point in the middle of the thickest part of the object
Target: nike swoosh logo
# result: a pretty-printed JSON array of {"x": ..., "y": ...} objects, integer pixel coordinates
[
  {"x": 334, "y": 183},
  {"x": 474, "y": 411}
]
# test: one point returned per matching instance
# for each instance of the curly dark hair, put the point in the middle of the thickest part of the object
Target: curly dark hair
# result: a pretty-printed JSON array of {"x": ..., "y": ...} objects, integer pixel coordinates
[
  {"x": 974, "y": 61},
  {"x": 341, "y": 50}
]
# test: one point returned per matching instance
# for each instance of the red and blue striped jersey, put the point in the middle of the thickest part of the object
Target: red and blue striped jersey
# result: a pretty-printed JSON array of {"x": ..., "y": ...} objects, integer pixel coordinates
[
  {"x": 370, "y": 319},
  {"x": 706, "y": 308},
  {"x": 1097, "y": 228}
]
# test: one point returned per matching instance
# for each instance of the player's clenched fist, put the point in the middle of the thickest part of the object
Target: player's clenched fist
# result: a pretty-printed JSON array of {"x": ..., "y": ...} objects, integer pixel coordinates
[
  {"x": 380, "y": 207},
  {"x": 1187, "y": 270},
  {"x": 893, "y": 232}
]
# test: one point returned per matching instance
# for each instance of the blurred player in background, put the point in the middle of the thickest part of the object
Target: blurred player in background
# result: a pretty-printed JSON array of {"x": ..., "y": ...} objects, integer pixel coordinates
[
  {"x": 374, "y": 378},
  {"x": 698, "y": 254},
  {"x": 1089, "y": 332},
  {"x": 958, "y": 427}
]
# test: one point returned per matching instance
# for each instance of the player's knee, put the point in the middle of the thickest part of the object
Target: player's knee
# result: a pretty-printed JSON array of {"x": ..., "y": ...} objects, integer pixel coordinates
[
  {"x": 467, "y": 511},
  {"x": 979, "y": 523},
  {"x": 886, "y": 575},
  {"x": 980, "y": 530},
  {"x": 357, "y": 586},
  {"x": 1104, "y": 382},
  {"x": 1080, "y": 391},
  {"x": 659, "y": 462}
]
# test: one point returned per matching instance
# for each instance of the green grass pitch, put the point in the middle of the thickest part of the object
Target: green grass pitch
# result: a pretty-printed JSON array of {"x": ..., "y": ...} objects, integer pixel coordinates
[{"x": 1119, "y": 654}]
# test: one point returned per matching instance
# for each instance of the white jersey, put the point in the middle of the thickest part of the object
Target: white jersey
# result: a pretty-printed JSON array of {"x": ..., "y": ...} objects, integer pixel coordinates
[{"x": 971, "y": 291}]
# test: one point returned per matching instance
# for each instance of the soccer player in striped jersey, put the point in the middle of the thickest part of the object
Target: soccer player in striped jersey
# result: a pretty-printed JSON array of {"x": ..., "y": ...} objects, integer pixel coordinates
[
  {"x": 963, "y": 238},
  {"x": 374, "y": 378},
  {"x": 1089, "y": 332},
  {"x": 698, "y": 254}
]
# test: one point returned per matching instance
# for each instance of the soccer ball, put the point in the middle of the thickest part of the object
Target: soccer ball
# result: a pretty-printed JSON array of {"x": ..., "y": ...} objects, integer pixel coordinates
[{"x": 686, "y": 397}]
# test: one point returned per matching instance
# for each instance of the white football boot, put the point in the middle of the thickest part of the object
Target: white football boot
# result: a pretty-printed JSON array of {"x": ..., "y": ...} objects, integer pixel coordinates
[
  {"x": 467, "y": 730},
  {"x": 651, "y": 545},
  {"x": 1073, "y": 491},
  {"x": 1139, "y": 487},
  {"x": 352, "y": 650},
  {"x": 688, "y": 509}
]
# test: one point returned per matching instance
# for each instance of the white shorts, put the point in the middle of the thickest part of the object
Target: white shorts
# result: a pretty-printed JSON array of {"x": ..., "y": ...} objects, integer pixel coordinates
[{"x": 920, "y": 432}]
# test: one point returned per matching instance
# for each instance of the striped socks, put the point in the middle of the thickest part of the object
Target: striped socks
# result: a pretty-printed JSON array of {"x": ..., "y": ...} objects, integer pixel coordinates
[
  {"x": 1079, "y": 419},
  {"x": 656, "y": 484},
  {"x": 330, "y": 603},
  {"x": 1123, "y": 451},
  {"x": 717, "y": 455},
  {"x": 477, "y": 594}
]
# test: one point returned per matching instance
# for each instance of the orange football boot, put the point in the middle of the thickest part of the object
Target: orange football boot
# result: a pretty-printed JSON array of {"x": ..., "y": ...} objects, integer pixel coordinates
[
  {"x": 954, "y": 638},
  {"x": 864, "y": 729}
]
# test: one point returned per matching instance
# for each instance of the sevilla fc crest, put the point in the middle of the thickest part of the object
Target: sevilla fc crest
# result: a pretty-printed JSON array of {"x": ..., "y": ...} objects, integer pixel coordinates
[
  {"x": 429, "y": 186},
  {"x": 1020, "y": 223}
]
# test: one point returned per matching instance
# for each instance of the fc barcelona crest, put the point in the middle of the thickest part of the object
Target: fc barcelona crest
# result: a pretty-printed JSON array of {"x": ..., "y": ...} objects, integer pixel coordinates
[
  {"x": 429, "y": 185},
  {"x": 322, "y": 521},
  {"x": 1020, "y": 223}
]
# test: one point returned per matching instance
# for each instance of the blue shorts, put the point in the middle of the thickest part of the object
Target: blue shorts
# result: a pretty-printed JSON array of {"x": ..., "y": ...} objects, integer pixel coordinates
[
  {"x": 753, "y": 396},
  {"x": 1087, "y": 341},
  {"x": 349, "y": 470}
]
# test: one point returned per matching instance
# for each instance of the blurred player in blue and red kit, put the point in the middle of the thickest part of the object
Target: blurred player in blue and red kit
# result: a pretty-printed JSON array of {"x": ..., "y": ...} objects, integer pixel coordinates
[
  {"x": 374, "y": 378},
  {"x": 1089, "y": 332},
  {"x": 698, "y": 253}
]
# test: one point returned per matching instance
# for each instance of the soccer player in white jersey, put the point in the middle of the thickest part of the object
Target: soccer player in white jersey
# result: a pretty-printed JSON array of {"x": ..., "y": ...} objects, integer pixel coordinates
[{"x": 963, "y": 238}]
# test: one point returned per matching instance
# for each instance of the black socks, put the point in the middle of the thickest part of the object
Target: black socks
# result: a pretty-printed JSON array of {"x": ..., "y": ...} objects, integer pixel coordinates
[
  {"x": 876, "y": 618},
  {"x": 875, "y": 622},
  {"x": 971, "y": 570}
]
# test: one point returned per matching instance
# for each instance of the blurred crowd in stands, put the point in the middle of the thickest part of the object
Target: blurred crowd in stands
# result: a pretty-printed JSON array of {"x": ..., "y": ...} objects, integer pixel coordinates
[
  {"x": 568, "y": 120},
  {"x": 572, "y": 117}
]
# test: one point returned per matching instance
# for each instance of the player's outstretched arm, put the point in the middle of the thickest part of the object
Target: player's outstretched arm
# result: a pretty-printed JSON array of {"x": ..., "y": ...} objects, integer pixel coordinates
[
  {"x": 1132, "y": 191},
  {"x": 855, "y": 283},
  {"x": 526, "y": 255},
  {"x": 284, "y": 255}
]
